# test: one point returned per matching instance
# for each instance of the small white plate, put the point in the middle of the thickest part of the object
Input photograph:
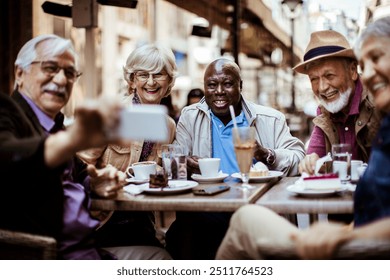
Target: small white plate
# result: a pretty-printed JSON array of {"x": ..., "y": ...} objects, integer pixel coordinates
[
  {"x": 174, "y": 187},
  {"x": 199, "y": 178},
  {"x": 137, "y": 181},
  {"x": 260, "y": 179},
  {"x": 300, "y": 190}
]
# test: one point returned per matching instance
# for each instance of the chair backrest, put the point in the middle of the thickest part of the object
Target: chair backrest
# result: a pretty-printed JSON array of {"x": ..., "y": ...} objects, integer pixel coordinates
[
  {"x": 354, "y": 250},
  {"x": 16, "y": 245}
]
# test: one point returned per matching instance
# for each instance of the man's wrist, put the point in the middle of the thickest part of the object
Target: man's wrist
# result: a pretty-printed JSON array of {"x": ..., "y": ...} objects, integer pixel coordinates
[{"x": 271, "y": 157}]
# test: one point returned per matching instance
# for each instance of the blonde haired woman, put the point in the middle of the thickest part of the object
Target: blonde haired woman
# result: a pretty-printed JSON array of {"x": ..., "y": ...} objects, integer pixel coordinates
[{"x": 150, "y": 72}]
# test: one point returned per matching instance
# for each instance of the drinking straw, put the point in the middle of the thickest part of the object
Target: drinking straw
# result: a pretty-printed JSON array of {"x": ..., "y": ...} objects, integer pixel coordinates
[
  {"x": 234, "y": 123},
  {"x": 233, "y": 116}
]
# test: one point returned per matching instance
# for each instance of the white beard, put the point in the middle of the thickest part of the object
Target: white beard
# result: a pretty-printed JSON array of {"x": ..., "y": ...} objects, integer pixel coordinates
[{"x": 337, "y": 105}]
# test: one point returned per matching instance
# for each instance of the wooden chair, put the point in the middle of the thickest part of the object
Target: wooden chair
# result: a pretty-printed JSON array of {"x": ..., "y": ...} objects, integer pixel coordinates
[
  {"x": 354, "y": 250},
  {"x": 25, "y": 246}
]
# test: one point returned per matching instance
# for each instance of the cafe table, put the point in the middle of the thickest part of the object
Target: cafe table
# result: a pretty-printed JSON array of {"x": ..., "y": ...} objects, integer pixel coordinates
[
  {"x": 227, "y": 201},
  {"x": 281, "y": 201}
]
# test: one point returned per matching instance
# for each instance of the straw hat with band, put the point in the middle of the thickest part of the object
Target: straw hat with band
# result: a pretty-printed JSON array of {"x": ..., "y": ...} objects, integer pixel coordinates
[{"x": 327, "y": 43}]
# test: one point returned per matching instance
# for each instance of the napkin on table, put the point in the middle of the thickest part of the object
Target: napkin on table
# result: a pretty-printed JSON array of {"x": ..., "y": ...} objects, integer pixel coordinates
[
  {"x": 134, "y": 189},
  {"x": 321, "y": 161}
]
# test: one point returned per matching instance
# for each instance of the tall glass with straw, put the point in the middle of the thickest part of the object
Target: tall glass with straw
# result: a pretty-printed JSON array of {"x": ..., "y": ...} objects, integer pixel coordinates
[{"x": 244, "y": 144}]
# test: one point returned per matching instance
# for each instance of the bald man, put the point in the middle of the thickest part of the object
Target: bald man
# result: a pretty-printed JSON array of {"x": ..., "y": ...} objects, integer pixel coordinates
[{"x": 205, "y": 129}]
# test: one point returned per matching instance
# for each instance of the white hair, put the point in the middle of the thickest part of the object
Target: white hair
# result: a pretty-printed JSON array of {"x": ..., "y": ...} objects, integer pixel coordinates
[
  {"x": 55, "y": 46},
  {"x": 378, "y": 28},
  {"x": 152, "y": 58}
]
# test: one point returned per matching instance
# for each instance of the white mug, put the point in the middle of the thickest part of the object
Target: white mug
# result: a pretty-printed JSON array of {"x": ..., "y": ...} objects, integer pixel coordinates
[
  {"x": 209, "y": 167},
  {"x": 341, "y": 168},
  {"x": 355, "y": 164},
  {"x": 142, "y": 169}
]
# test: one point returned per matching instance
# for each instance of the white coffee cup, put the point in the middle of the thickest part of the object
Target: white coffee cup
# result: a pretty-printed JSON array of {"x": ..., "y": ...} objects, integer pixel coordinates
[
  {"x": 141, "y": 169},
  {"x": 341, "y": 168},
  {"x": 209, "y": 167},
  {"x": 355, "y": 164}
]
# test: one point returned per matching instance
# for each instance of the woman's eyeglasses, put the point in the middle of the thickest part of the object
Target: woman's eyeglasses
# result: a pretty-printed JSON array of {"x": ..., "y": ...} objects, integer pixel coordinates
[
  {"x": 144, "y": 76},
  {"x": 51, "y": 68}
]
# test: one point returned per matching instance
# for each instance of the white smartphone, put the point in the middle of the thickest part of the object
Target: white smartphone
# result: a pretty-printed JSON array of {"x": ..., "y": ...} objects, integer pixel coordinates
[{"x": 144, "y": 122}]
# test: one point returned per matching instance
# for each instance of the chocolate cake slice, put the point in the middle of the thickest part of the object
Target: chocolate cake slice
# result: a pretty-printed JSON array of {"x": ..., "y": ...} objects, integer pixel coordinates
[{"x": 159, "y": 180}]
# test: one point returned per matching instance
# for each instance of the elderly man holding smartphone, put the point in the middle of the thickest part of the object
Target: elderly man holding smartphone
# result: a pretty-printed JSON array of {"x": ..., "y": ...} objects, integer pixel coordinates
[{"x": 50, "y": 190}]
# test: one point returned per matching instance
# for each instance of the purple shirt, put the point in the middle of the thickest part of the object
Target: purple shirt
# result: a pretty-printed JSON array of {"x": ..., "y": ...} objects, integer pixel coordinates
[
  {"x": 77, "y": 221},
  {"x": 345, "y": 127}
]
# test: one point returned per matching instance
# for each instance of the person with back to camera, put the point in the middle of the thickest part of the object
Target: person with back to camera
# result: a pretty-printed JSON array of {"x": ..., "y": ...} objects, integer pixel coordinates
[
  {"x": 37, "y": 154},
  {"x": 252, "y": 225},
  {"x": 205, "y": 129},
  {"x": 150, "y": 72}
]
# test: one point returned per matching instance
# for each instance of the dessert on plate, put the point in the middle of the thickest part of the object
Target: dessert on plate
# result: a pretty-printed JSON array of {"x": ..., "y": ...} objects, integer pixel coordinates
[
  {"x": 259, "y": 169},
  {"x": 158, "y": 180},
  {"x": 322, "y": 182}
]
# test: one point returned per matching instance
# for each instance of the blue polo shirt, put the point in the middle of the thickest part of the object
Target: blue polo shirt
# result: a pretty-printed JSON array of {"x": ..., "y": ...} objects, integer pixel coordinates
[{"x": 222, "y": 141}]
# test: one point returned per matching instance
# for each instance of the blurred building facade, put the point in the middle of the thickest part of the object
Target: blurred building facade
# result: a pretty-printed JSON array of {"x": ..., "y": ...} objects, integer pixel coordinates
[
  {"x": 374, "y": 9},
  {"x": 261, "y": 28},
  {"x": 103, "y": 47}
]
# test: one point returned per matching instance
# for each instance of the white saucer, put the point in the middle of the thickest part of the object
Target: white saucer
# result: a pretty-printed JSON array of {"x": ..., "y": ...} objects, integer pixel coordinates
[
  {"x": 199, "y": 178},
  {"x": 260, "y": 179},
  {"x": 300, "y": 190}
]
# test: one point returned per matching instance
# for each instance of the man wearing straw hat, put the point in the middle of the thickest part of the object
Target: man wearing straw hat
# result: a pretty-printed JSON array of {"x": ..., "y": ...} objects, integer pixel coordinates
[
  {"x": 205, "y": 129},
  {"x": 346, "y": 113}
]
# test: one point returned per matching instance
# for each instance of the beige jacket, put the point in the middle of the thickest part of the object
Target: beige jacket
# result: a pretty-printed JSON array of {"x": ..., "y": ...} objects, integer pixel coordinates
[{"x": 194, "y": 133}]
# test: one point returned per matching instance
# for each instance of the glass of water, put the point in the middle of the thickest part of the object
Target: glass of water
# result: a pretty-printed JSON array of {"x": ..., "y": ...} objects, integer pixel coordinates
[
  {"x": 341, "y": 155},
  {"x": 167, "y": 157},
  {"x": 181, "y": 163}
]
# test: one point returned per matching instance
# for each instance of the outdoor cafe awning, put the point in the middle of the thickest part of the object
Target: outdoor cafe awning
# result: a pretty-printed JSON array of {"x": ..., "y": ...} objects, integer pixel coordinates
[{"x": 261, "y": 36}]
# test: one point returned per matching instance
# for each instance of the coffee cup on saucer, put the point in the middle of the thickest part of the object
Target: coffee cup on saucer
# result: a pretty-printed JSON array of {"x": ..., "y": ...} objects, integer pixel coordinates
[
  {"x": 142, "y": 170},
  {"x": 209, "y": 167}
]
